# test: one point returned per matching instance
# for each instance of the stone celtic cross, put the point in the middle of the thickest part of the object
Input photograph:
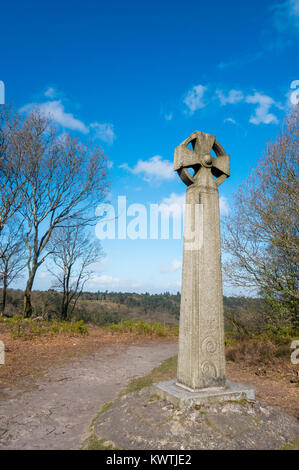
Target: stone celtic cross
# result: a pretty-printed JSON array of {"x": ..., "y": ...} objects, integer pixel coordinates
[
  {"x": 202, "y": 145},
  {"x": 201, "y": 360}
]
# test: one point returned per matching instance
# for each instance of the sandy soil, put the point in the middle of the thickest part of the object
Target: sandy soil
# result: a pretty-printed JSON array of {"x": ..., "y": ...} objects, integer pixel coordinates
[
  {"x": 55, "y": 410},
  {"x": 52, "y": 387},
  {"x": 273, "y": 386}
]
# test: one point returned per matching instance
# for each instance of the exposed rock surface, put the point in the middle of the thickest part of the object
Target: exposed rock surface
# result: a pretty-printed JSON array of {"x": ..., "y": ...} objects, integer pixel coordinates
[{"x": 142, "y": 421}]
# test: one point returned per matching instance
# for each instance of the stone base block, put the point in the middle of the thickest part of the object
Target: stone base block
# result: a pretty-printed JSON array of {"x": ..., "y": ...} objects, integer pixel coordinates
[{"x": 183, "y": 398}]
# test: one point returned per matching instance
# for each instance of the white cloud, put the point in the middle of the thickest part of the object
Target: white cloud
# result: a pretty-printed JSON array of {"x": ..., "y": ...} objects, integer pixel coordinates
[
  {"x": 173, "y": 205},
  {"x": 104, "y": 131},
  {"x": 240, "y": 61},
  {"x": 262, "y": 114},
  {"x": 263, "y": 102},
  {"x": 56, "y": 110},
  {"x": 153, "y": 169},
  {"x": 175, "y": 265},
  {"x": 104, "y": 278},
  {"x": 43, "y": 275},
  {"x": 105, "y": 281},
  {"x": 168, "y": 116},
  {"x": 234, "y": 96},
  {"x": 294, "y": 8},
  {"x": 224, "y": 206},
  {"x": 174, "y": 199},
  {"x": 230, "y": 120},
  {"x": 194, "y": 98},
  {"x": 286, "y": 15},
  {"x": 113, "y": 283},
  {"x": 50, "y": 93}
]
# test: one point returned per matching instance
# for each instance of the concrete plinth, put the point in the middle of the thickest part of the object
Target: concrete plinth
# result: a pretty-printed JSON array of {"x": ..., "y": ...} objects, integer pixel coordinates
[{"x": 184, "y": 398}]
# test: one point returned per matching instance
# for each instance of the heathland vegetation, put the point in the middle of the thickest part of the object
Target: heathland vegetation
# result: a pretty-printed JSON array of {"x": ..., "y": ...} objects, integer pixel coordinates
[{"x": 51, "y": 182}]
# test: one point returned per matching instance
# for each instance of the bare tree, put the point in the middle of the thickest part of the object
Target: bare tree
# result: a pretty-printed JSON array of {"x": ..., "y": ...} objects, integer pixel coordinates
[
  {"x": 12, "y": 257},
  {"x": 261, "y": 234},
  {"x": 64, "y": 179},
  {"x": 73, "y": 254},
  {"x": 11, "y": 159}
]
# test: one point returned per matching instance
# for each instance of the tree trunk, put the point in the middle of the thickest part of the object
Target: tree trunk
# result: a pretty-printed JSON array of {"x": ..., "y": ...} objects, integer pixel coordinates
[
  {"x": 27, "y": 296},
  {"x": 4, "y": 294},
  {"x": 64, "y": 305},
  {"x": 64, "y": 310},
  {"x": 4, "y": 289}
]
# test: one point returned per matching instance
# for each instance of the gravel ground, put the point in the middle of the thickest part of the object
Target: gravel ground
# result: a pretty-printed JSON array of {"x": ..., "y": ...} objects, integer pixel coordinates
[{"x": 56, "y": 412}]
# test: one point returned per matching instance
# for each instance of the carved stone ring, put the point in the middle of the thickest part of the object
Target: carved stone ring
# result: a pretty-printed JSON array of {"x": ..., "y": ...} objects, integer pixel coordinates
[{"x": 202, "y": 144}]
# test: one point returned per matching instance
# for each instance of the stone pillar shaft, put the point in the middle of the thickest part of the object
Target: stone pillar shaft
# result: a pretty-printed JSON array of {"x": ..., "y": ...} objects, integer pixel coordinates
[{"x": 201, "y": 359}]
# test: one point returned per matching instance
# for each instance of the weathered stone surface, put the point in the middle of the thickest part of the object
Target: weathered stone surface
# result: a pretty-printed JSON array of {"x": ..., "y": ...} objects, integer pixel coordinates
[
  {"x": 178, "y": 396},
  {"x": 202, "y": 144},
  {"x": 142, "y": 421},
  {"x": 201, "y": 360}
]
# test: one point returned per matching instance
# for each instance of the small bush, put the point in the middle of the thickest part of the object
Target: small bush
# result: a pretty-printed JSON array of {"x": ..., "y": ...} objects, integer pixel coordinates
[
  {"x": 229, "y": 341},
  {"x": 143, "y": 328},
  {"x": 29, "y": 328},
  {"x": 279, "y": 335},
  {"x": 261, "y": 348}
]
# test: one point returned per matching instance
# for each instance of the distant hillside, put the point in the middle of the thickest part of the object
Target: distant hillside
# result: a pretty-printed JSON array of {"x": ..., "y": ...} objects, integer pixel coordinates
[{"x": 103, "y": 308}]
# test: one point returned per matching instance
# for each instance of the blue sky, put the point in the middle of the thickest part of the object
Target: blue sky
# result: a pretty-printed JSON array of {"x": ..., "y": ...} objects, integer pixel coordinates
[{"x": 139, "y": 77}]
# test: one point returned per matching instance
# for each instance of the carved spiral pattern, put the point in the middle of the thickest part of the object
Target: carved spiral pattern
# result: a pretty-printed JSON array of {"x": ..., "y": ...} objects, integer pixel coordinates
[
  {"x": 209, "y": 345},
  {"x": 208, "y": 369}
]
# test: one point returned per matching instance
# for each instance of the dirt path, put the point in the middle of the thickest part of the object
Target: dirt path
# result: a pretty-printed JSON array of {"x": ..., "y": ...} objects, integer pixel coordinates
[{"x": 57, "y": 411}]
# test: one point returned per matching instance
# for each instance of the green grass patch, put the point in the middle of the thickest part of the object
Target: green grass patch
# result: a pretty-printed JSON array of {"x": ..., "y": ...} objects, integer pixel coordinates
[
  {"x": 229, "y": 341},
  {"x": 102, "y": 410},
  {"x": 294, "y": 445},
  {"x": 95, "y": 443},
  {"x": 143, "y": 328},
  {"x": 279, "y": 335},
  {"x": 29, "y": 328},
  {"x": 165, "y": 371}
]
